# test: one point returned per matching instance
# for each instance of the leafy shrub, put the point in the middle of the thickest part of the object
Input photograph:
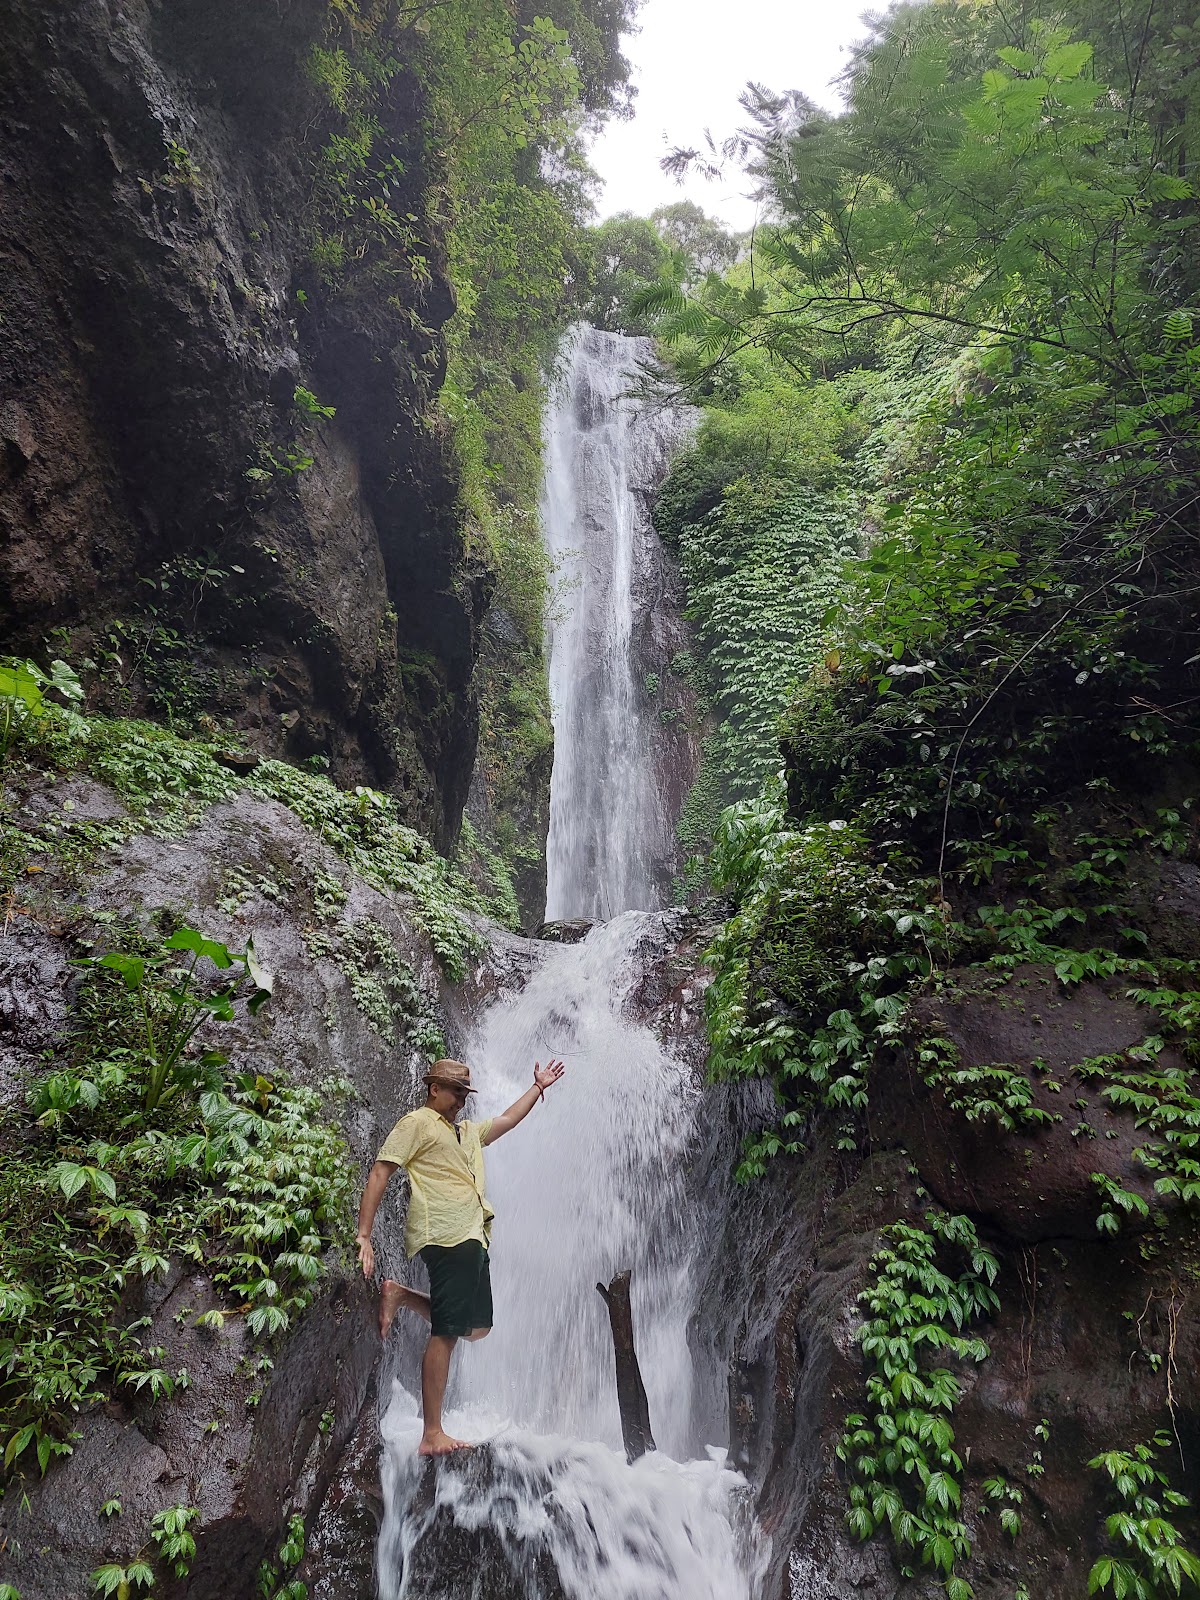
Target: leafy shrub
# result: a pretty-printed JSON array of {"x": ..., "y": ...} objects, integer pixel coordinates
[
  {"x": 174, "y": 1010},
  {"x": 108, "y": 1183}
]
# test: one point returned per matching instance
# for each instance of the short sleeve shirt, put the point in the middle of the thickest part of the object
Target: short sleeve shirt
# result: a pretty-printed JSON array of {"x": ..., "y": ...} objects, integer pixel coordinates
[{"x": 444, "y": 1163}]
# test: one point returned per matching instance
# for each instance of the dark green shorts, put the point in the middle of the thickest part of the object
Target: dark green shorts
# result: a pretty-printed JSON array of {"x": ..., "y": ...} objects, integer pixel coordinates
[{"x": 460, "y": 1288}]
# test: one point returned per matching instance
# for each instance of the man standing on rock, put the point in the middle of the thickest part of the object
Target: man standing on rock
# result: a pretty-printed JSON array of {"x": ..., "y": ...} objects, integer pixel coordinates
[{"x": 449, "y": 1223}]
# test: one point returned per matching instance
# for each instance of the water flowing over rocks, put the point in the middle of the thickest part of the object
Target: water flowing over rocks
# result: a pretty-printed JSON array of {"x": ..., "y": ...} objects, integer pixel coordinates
[
  {"x": 621, "y": 772},
  {"x": 745, "y": 1298},
  {"x": 606, "y": 1177}
]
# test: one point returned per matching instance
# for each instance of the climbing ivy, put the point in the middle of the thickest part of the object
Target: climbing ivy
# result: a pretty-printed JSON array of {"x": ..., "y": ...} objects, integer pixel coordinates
[
  {"x": 904, "y": 1472},
  {"x": 761, "y": 569},
  {"x": 812, "y": 969},
  {"x": 1152, "y": 1560}
]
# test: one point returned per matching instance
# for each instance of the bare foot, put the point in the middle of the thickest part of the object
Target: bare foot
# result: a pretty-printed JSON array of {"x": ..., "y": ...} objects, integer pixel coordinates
[
  {"x": 439, "y": 1443},
  {"x": 391, "y": 1298}
]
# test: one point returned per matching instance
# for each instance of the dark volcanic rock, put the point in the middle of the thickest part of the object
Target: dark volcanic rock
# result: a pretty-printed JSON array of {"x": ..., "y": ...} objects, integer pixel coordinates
[
  {"x": 1036, "y": 1183},
  {"x": 1096, "y": 1343},
  {"x": 248, "y": 1446},
  {"x": 245, "y": 1460},
  {"x": 486, "y": 1560},
  {"x": 339, "y": 1559},
  {"x": 158, "y": 310},
  {"x": 572, "y": 931}
]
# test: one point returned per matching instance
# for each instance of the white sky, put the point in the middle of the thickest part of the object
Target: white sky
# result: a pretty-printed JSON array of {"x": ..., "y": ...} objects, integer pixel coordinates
[{"x": 691, "y": 60}]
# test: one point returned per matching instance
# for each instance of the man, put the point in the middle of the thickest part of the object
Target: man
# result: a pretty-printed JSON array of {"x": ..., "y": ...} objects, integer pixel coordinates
[{"x": 449, "y": 1224}]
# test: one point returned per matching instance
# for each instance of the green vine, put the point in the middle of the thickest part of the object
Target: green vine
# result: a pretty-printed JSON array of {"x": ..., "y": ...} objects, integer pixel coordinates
[
  {"x": 1153, "y": 1561},
  {"x": 900, "y": 1459}
]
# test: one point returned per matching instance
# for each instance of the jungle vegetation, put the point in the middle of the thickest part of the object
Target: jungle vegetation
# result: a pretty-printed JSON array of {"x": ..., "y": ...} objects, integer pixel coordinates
[{"x": 937, "y": 533}]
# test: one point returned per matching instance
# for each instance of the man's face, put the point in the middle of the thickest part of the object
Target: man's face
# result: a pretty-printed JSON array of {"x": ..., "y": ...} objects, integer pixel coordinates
[{"x": 448, "y": 1099}]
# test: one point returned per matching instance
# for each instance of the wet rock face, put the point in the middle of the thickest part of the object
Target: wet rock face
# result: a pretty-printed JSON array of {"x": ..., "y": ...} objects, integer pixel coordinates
[
  {"x": 450, "y": 1562},
  {"x": 244, "y": 1450},
  {"x": 339, "y": 1560},
  {"x": 247, "y": 1444},
  {"x": 1035, "y": 1183},
  {"x": 1096, "y": 1344},
  {"x": 158, "y": 311},
  {"x": 573, "y": 930}
]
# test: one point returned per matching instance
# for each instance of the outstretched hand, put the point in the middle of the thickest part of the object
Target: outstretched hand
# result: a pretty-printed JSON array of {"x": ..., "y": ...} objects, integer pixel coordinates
[
  {"x": 366, "y": 1256},
  {"x": 544, "y": 1076}
]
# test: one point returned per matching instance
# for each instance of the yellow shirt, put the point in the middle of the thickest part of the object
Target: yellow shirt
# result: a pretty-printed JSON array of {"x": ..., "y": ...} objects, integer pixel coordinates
[{"x": 445, "y": 1170}]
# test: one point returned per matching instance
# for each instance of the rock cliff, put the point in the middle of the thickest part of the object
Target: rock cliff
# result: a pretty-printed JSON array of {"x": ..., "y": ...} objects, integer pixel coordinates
[{"x": 220, "y": 480}]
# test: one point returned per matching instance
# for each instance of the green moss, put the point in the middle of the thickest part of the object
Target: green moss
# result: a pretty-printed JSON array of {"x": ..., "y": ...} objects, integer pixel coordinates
[
  {"x": 168, "y": 782},
  {"x": 494, "y": 866},
  {"x": 384, "y": 986}
]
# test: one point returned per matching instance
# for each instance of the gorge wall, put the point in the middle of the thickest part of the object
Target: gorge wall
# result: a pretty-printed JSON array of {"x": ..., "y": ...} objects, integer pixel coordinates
[{"x": 172, "y": 507}]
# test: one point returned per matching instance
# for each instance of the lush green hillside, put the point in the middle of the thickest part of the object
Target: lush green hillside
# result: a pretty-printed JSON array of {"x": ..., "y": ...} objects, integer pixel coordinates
[{"x": 938, "y": 534}]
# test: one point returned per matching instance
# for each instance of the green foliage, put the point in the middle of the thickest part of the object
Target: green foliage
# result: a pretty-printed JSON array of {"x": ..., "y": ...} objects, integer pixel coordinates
[
  {"x": 811, "y": 971},
  {"x": 969, "y": 328},
  {"x": 706, "y": 246},
  {"x": 502, "y": 895},
  {"x": 1152, "y": 1560},
  {"x": 167, "y": 782},
  {"x": 271, "y": 1581},
  {"x": 761, "y": 572},
  {"x": 1004, "y": 1497},
  {"x": 365, "y": 829},
  {"x": 174, "y": 1007},
  {"x": 1163, "y": 1099},
  {"x": 123, "y": 1582},
  {"x": 996, "y": 1093},
  {"x": 383, "y": 984},
  {"x": 307, "y": 403},
  {"x": 23, "y": 688},
  {"x": 1027, "y": 214},
  {"x": 102, "y": 1189},
  {"x": 623, "y": 254},
  {"x": 903, "y": 1470},
  {"x": 173, "y": 1541},
  {"x": 505, "y": 88}
]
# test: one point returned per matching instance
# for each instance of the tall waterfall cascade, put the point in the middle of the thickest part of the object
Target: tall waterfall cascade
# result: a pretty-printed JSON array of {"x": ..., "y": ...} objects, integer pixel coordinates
[
  {"x": 595, "y": 1181},
  {"x": 606, "y": 453}
]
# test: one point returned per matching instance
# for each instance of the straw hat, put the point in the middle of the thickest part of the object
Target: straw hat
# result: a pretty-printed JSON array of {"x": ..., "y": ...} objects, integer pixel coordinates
[{"x": 455, "y": 1073}]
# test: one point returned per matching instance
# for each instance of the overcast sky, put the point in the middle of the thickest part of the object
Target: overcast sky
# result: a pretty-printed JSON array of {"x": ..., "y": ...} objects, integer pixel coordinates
[{"x": 691, "y": 60}]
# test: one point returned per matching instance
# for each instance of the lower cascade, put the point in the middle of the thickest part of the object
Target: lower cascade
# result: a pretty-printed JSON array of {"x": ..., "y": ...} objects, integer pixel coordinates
[{"x": 594, "y": 1185}]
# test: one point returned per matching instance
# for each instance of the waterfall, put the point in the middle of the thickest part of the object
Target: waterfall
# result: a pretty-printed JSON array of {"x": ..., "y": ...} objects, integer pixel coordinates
[
  {"x": 611, "y": 838},
  {"x": 595, "y": 1181}
]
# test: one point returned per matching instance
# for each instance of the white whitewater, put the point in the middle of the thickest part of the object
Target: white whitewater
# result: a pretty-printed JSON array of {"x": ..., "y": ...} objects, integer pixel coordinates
[
  {"x": 592, "y": 1184},
  {"x": 606, "y": 454},
  {"x": 597, "y": 1188}
]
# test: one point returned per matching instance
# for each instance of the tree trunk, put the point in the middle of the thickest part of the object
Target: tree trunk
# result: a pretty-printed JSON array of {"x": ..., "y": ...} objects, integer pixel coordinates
[{"x": 631, "y": 1391}]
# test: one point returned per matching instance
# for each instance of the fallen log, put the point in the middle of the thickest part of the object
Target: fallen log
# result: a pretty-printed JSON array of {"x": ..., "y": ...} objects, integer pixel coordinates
[{"x": 631, "y": 1391}]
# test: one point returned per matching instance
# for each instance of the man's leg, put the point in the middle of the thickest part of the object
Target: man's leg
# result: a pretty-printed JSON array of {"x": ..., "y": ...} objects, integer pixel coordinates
[
  {"x": 392, "y": 1296},
  {"x": 435, "y": 1370}
]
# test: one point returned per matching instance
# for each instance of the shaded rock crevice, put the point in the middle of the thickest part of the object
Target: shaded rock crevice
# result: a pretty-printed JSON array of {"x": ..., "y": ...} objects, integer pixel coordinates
[{"x": 158, "y": 311}]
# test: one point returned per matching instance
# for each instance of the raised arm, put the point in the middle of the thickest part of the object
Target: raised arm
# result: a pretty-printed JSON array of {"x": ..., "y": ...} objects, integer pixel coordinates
[
  {"x": 377, "y": 1181},
  {"x": 543, "y": 1077}
]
